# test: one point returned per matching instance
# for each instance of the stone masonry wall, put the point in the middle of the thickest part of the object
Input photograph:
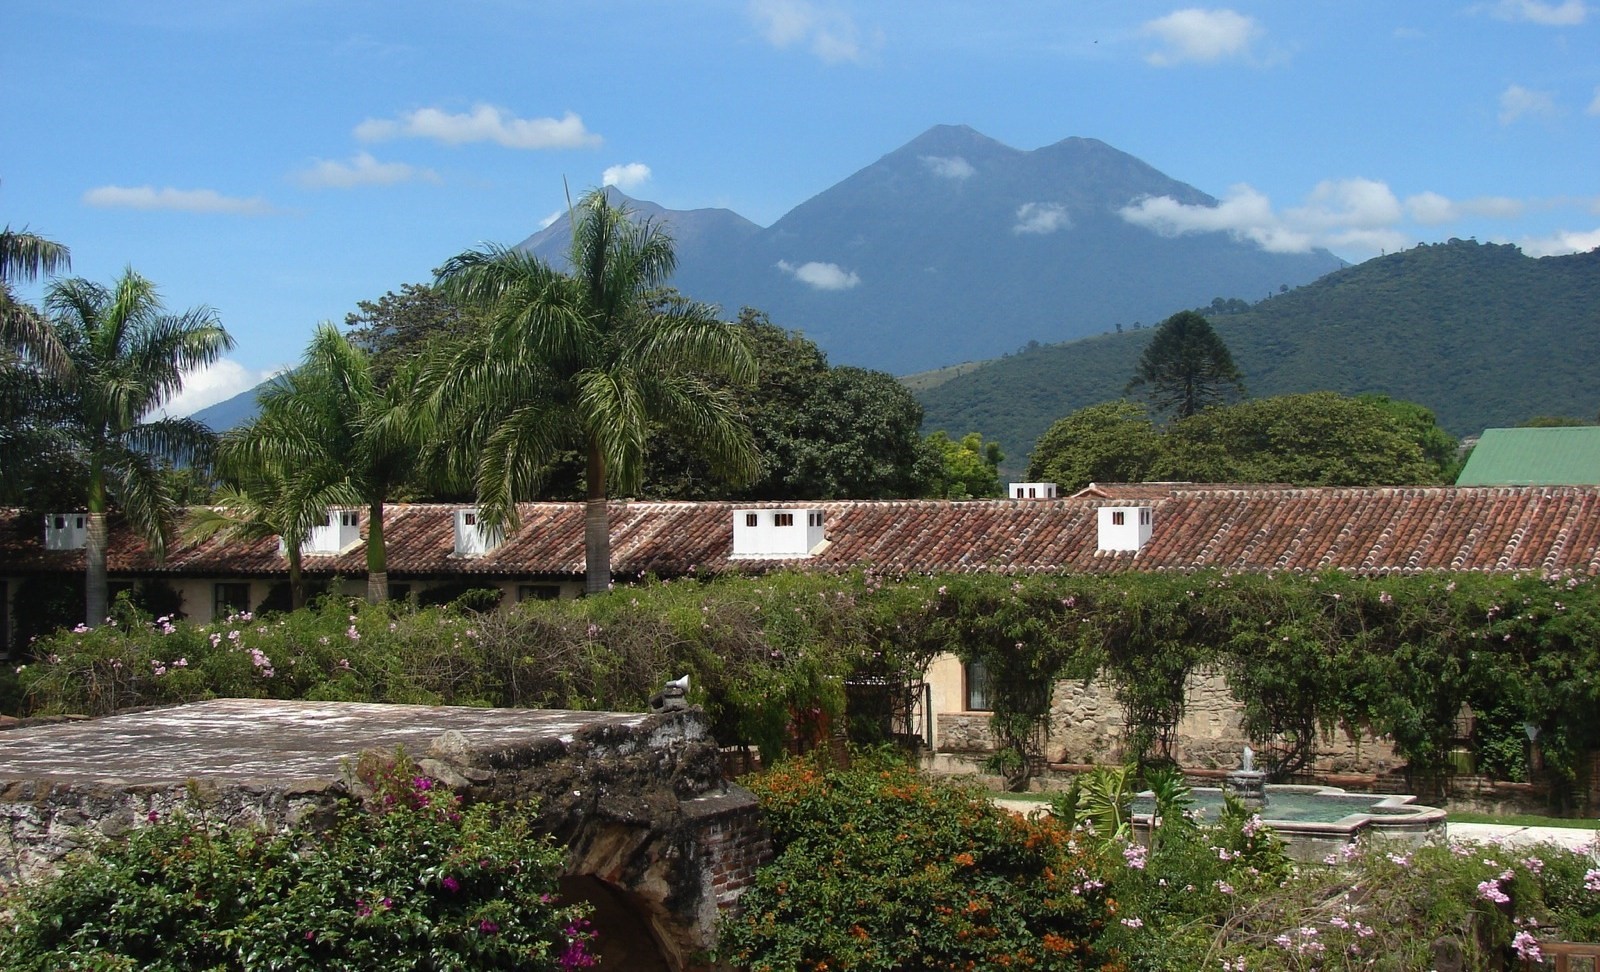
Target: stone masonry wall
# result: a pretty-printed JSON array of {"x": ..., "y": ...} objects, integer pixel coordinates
[{"x": 1086, "y": 725}]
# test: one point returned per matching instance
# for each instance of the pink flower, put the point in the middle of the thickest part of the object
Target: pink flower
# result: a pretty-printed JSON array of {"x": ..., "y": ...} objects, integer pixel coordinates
[
  {"x": 451, "y": 885},
  {"x": 1527, "y": 947}
]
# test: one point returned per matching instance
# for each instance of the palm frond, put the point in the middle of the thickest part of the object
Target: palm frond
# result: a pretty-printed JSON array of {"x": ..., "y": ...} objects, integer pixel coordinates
[{"x": 25, "y": 255}]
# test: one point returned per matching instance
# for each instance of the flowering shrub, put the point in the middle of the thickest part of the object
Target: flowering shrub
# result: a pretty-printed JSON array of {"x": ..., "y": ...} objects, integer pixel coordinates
[
  {"x": 413, "y": 880},
  {"x": 879, "y": 868}
]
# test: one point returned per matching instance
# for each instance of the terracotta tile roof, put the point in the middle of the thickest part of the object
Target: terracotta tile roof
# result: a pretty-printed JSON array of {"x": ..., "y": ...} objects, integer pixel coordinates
[
  {"x": 1371, "y": 530},
  {"x": 1152, "y": 491}
]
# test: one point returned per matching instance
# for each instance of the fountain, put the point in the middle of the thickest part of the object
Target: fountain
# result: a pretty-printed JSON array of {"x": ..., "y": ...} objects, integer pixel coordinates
[
  {"x": 1312, "y": 820},
  {"x": 1248, "y": 783}
]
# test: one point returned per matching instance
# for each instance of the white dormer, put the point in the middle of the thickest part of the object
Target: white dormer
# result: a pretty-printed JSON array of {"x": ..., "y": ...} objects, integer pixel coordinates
[
  {"x": 768, "y": 534},
  {"x": 1125, "y": 527},
  {"x": 473, "y": 538},
  {"x": 66, "y": 531},
  {"x": 340, "y": 530},
  {"x": 1032, "y": 491}
]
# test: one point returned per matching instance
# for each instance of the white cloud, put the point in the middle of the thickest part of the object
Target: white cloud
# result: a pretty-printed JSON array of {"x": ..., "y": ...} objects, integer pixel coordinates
[
  {"x": 1345, "y": 215},
  {"x": 1432, "y": 209},
  {"x": 1594, "y": 106},
  {"x": 949, "y": 166},
  {"x": 181, "y": 200},
  {"x": 1041, "y": 218},
  {"x": 1243, "y": 213},
  {"x": 1201, "y": 36},
  {"x": 821, "y": 276},
  {"x": 361, "y": 170},
  {"x": 1561, "y": 242},
  {"x": 830, "y": 34},
  {"x": 626, "y": 177},
  {"x": 1346, "y": 204},
  {"x": 1517, "y": 102},
  {"x": 1568, "y": 13},
  {"x": 549, "y": 220},
  {"x": 485, "y": 123},
  {"x": 216, "y": 383}
]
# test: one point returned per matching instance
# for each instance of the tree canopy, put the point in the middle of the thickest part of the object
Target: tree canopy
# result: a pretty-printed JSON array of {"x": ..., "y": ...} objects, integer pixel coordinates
[
  {"x": 399, "y": 326},
  {"x": 1186, "y": 368},
  {"x": 969, "y": 467},
  {"x": 822, "y": 432},
  {"x": 1113, "y": 442},
  {"x": 1320, "y": 439}
]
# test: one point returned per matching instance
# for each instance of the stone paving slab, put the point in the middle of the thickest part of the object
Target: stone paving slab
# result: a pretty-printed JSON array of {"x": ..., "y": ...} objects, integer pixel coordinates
[
  {"x": 250, "y": 739},
  {"x": 1511, "y": 836}
]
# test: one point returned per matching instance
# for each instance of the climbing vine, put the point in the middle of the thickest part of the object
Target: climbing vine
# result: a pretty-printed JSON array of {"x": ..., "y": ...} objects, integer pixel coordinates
[{"x": 785, "y": 660}]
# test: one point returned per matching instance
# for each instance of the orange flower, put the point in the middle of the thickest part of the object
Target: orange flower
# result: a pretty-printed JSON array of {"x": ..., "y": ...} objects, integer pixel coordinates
[{"x": 964, "y": 859}]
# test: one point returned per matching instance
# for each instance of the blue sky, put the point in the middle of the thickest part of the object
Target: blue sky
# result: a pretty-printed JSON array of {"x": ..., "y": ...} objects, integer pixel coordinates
[{"x": 281, "y": 161}]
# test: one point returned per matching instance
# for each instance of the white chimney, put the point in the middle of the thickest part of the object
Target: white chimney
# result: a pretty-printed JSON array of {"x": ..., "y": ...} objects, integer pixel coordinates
[
  {"x": 473, "y": 539},
  {"x": 340, "y": 530},
  {"x": 1125, "y": 527},
  {"x": 1032, "y": 491},
  {"x": 66, "y": 531},
  {"x": 772, "y": 534}
]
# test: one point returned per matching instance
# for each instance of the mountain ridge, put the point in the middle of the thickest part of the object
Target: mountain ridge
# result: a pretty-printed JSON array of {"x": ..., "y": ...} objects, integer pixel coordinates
[
  {"x": 955, "y": 246},
  {"x": 1482, "y": 334}
]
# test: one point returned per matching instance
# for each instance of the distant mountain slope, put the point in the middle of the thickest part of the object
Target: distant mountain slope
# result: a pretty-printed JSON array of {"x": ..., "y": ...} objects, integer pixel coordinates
[
  {"x": 1480, "y": 333},
  {"x": 955, "y": 247},
  {"x": 229, "y": 412}
]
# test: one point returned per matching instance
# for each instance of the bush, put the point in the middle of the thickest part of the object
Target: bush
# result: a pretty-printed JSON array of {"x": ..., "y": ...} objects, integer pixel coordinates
[
  {"x": 879, "y": 868},
  {"x": 411, "y": 881}
]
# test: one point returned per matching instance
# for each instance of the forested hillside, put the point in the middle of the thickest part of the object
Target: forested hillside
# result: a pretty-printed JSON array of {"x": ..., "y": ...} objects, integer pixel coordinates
[{"x": 1480, "y": 333}]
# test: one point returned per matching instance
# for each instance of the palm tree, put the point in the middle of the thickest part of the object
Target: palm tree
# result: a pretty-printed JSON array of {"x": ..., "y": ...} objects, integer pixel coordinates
[
  {"x": 125, "y": 358},
  {"x": 265, "y": 496},
  {"x": 332, "y": 431},
  {"x": 589, "y": 361}
]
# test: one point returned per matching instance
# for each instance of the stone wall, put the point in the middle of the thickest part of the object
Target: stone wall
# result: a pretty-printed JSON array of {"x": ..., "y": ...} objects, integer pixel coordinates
[
  {"x": 1086, "y": 725},
  {"x": 638, "y": 801}
]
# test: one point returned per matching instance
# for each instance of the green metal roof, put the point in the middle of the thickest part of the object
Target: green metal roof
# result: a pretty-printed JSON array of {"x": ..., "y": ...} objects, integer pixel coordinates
[{"x": 1562, "y": 456}]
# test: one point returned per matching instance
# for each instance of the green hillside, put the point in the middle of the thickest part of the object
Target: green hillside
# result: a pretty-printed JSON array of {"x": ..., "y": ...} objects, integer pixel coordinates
[{"x": 1480, "y": 333}]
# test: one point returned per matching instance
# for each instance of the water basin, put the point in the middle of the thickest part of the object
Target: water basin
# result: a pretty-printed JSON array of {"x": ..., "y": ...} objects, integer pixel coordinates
[{"x": 1317, "y": 820}]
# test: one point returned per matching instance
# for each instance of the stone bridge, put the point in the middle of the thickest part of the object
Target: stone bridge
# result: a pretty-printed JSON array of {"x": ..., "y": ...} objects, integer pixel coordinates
[{"x": 655, "y": 838}]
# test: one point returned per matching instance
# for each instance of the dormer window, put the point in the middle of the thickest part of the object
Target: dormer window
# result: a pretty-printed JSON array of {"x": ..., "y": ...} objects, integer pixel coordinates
[
  {"x": 339, "y": 531},
  {"x": 759, "y": 534},
  {"x": 1120, "y": 532},
  {"x": 66, "y": 531},
  {"x": 1033, "y": 491},
  {"x": 473, "y": 539}
]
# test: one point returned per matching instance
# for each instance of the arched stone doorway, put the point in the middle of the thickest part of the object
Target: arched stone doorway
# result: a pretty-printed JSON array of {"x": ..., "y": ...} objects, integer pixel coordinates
[{"x": 624, "y": 922}]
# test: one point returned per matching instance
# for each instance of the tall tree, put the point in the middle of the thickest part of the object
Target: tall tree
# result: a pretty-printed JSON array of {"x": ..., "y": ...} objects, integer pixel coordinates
[
  {"x": 125, "y": 358},
  {"x": 591, "y": 360},
  {"x": 329, "y": 424},
  {"x": 1186, "y": 367}
]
